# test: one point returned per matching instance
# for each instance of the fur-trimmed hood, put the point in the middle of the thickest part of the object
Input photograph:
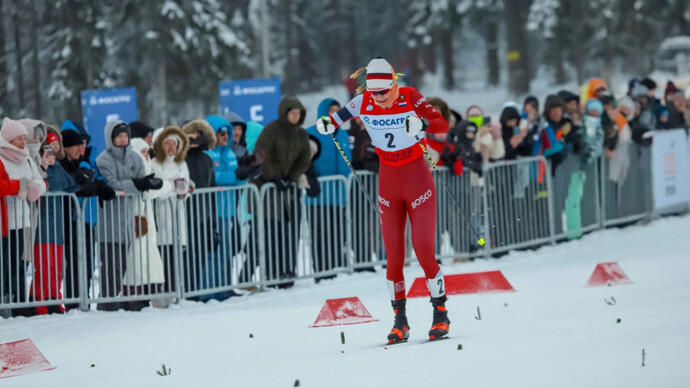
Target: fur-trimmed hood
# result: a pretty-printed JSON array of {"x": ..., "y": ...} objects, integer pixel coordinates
[
  {"x": 204, "y": 128},
  {"x": 182, "y": 146}
]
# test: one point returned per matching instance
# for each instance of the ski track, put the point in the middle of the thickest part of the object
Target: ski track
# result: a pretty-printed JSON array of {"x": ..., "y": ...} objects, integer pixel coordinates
[{"x": 552, "y": 332}]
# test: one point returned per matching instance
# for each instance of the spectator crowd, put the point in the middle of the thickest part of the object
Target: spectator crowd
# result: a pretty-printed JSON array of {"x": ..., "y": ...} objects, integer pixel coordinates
[{"x": 132, "y": 194}]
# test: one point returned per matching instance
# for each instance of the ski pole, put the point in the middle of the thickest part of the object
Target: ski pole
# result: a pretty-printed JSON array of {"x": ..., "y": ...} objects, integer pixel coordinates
[
  {"x": 347, "y": 161},
  {"x": 480, "y": 240}
]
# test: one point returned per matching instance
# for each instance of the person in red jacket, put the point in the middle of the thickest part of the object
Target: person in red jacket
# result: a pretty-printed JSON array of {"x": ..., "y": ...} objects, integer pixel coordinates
[{"x": 393, "y": 116}]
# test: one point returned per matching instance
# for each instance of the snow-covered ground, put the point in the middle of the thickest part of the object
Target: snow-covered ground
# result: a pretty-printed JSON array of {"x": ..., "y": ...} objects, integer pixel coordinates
[{"x": 553, "y": 332}]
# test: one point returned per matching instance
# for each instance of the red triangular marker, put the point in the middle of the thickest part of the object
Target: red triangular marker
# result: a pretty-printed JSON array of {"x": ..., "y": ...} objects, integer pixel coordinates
[
  {"x": 465, "y": 283},
  {"x": 343, "y": 311},
  {"x": 608, "y": 274},
  {"x": 20, "y": 358}
]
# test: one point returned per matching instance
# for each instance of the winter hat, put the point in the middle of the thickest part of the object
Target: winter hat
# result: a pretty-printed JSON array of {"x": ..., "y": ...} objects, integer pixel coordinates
[
  {"x": 594, "y": 104},
  {"x": 649, "y": 83},
  {"x": 138, "y": 144},
  {"x": 71, "y": 138},
  {"x": 51, "y": 138},
  {"x": 11, "y": 129},
  {"x": 628, "y": 103},
  {"x": 120, "y": 128},
  {"x": 640, "y": 90},
  {"x": 670, "y": 89},
  {"x": 139, "y": 129},
  {"x": 380, "y": 75},
  {"x": 512, "y": 104}
]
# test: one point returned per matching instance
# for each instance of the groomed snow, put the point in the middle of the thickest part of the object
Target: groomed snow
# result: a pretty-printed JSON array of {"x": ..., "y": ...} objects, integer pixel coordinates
[{"x": 553, "y": 332}]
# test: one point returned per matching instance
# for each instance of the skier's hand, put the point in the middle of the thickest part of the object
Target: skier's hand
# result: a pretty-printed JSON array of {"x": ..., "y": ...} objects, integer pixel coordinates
[
  {"x": 324, "y": 125},
  {"x": 414, "y": 125}
]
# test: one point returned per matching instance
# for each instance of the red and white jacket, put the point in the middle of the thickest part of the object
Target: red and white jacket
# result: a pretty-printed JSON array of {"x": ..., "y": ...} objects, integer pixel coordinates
[{"x": 386, "y": 126}]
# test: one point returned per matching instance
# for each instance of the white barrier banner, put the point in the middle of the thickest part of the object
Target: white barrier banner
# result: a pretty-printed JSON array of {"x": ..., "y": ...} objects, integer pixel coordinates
[{"x": 670, "y": 169}]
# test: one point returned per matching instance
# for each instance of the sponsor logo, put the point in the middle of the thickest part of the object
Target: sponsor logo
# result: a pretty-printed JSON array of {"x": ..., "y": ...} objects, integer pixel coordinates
[
  {"x": 370, "y": 107},
  {"x": 366, "y": 120},
  {"x": 253, "y": 90},
  {"x": 398, "y": 121},
  {"x": 109, "y": 100},
  {"x": 352, "y": 105},
  {"x": 384, "y": 201},
  {"x": 422, "y": 198}
]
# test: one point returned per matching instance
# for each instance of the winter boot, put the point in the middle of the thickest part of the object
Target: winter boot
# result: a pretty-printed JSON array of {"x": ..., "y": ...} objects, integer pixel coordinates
[
  {"x": 401, "y": 329},
  {"x": 439, "y": 326}
]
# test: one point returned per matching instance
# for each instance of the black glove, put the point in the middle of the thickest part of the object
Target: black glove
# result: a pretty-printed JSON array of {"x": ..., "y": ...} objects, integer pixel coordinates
[
  {"x": 282, "y": 184},
  {"x": 147, "y": 183},
  {"x": 84, "y": 176},
  {"x": 104, "y": 192},
  {"x": 247, "y": 160},
  {"x": 247, "y": 171},
  {"x": 449, "y": 157}
]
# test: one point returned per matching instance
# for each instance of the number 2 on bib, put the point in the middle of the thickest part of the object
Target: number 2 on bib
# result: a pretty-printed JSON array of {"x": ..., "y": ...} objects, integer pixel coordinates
[{"x": 390, "y": 138}]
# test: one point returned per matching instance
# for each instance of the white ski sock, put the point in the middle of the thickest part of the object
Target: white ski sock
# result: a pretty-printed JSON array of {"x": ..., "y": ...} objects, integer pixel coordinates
[
  {"x": 395, "y": 287},
  {"x": 436, "y": 286}
]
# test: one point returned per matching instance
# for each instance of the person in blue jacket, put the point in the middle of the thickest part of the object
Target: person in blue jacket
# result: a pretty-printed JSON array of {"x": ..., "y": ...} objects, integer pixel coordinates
[
  {"x": 225, "y": 164},
  {"x": 327, "y": 211}
]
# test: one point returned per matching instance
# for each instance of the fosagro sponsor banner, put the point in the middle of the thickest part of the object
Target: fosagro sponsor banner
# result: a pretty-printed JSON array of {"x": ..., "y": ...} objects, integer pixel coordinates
[
  {"x": 670, "y": 169},
  {"x": 252, "y": 99},
  {"x": 100, "y": 106}
]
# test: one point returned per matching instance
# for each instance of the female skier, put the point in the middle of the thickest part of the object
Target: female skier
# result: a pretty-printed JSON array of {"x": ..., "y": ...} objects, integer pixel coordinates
[{"x": 394, "y": 116}]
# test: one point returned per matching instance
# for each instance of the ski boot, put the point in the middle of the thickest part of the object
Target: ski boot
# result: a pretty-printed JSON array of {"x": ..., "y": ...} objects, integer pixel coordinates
[
  {"x": 401, "y": 329},
  {"x": 439, "y": 326}
]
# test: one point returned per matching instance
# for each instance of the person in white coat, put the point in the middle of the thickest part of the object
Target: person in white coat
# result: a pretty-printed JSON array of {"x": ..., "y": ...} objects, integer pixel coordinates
[
  {"x": 145, "y": 274},
  {"x": 170, "y": 146},
  {"x": 15, "y": 156}
]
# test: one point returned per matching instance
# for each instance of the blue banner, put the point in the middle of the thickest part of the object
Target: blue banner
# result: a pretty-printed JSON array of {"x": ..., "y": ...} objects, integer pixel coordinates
[
  {"x": 100, "y": 106},
  {"x": 252, "y": 99}
]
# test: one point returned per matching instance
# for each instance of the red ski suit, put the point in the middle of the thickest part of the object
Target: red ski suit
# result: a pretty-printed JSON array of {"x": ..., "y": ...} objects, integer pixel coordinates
[{"x": 406, "y": 187}]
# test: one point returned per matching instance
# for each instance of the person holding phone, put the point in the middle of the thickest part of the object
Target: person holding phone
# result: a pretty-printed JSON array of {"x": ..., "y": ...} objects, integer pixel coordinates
[
  {"x": 49, "y": 243},
  {"x": 394, "y": 116}
]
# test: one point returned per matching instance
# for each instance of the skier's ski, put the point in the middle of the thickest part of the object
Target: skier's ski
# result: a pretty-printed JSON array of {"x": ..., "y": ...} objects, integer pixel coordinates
[{"x": 418, "y": 342}]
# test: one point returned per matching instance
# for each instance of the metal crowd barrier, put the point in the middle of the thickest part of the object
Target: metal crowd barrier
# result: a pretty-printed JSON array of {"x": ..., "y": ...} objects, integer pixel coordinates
[
  {"x": 366, "y": 243},
  {"x": 220, "y": 241},
  {"x": 37, "y": 240},
  {"x": 517, "y": 198},
  {"x": 85, "y": 253},
  {"x": 626, "y": 187}
]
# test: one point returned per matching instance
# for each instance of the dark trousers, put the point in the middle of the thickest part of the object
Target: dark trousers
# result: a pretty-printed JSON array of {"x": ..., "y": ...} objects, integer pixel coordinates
[
  {"x": 168, "y": 258},
  {"x": 13, "y": 279},
  {"x": 327, "y": 224},
  {"x": 281, "y": 243},
  {"x": 113, "y": 267},
  {"x": 71, "y": 268}
]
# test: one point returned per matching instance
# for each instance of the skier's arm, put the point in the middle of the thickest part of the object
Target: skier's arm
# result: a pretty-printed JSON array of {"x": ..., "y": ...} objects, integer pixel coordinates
[
  {"x": 437, "y": 124},
  {"x": 348, "y": 112}
]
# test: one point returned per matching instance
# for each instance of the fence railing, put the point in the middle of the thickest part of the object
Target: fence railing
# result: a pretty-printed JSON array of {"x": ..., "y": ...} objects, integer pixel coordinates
[{"x": 85, "y": 253}]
